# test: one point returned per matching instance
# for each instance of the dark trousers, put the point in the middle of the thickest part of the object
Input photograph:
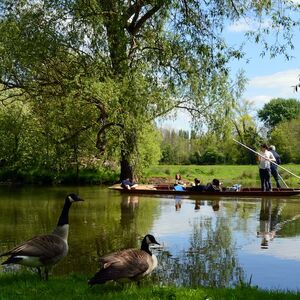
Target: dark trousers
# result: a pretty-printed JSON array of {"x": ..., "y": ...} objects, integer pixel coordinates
[
  {"x": 265, "y": 179},
  {"x": 274, "y": 173}
]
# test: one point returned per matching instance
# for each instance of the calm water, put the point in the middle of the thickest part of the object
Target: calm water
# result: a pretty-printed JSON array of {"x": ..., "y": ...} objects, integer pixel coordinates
[{"x": 215, "y": 242}]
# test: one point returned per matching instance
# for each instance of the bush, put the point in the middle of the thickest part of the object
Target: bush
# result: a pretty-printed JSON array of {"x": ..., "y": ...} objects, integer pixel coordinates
[{"x": 212, "y": 157}]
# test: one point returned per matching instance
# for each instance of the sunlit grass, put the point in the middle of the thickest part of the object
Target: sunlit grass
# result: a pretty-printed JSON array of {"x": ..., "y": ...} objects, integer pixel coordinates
[
  {"x": 247, "y": 175},
  {"x": 29, "y": 286}
]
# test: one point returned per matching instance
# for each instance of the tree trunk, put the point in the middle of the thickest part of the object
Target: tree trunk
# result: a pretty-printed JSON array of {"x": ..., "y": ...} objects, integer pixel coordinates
[{"x": 126, "y": 168}]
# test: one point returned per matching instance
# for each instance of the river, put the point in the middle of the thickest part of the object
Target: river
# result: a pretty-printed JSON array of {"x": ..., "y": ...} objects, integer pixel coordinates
[{"x": 205, "y": 241}]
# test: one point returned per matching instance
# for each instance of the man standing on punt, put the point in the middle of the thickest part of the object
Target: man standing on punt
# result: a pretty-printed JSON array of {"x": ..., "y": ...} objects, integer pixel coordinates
[
  {"x": 265, "y": 158},
  {"x": 274, "y": 170}
]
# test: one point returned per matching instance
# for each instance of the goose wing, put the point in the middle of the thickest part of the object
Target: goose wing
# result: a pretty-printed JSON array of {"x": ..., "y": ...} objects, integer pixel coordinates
[
  {"x": 127, "y": 263},
  {"x": 43, "y": 246}
]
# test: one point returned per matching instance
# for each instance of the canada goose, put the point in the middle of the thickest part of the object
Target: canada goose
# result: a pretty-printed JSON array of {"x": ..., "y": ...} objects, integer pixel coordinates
[
  {"x": 45, "y": 250},
  {"x": 127, "y": 264}
]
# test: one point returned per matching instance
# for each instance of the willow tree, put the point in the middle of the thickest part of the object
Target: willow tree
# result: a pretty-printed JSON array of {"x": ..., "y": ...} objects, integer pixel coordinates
[{"x": 133, "y": 61}]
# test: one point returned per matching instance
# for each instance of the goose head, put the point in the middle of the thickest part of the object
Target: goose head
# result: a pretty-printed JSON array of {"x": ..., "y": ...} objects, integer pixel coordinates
[
  {"x": 73, "y": 198},
  {"x": 64, "y": 217},
  {"x": 148, "y": 240}
]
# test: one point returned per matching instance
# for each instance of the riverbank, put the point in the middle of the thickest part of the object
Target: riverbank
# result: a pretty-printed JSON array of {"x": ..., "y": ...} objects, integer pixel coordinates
[
  {"x": 247, "y": 175},
  {"x": 29, "y": 286}
]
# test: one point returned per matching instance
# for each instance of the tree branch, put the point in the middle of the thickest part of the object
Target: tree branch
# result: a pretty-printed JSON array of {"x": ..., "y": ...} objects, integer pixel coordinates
[{"x": 134, "y": 28}]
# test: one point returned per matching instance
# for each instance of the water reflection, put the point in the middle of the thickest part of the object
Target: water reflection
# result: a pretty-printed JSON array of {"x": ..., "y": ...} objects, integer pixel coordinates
[
  {"x": 215, "y": 242},
  {"x": 209, "y": 257},
  {"x": 269, "y": 217},
  {"x": 129, "y": 207},
  {"x": 178, "y": 202},
  {"x": 197, "y": 205},
  {"x": 215, "y": 204}
]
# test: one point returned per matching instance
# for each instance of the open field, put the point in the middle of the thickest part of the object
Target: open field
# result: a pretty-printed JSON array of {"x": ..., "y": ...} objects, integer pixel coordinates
[
  {"x": 29, "y": 286},
  {"x": 247, "y": 175}
]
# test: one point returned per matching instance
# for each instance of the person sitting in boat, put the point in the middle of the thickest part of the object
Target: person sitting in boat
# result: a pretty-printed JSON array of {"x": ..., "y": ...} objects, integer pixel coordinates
[
  {"x": 179, "y": 184},
  {"x": 128, "y": 184},
  {"x": 178, "y": 179},
  {"x": 179, "y": 187},
  {"x": 214, "y": 186},
  {"x": 197, "y": 186}
]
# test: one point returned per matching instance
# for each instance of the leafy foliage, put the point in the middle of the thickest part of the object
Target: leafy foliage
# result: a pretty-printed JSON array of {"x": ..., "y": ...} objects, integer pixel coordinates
[
  {"x": 286, "y": 138},
  {"x": 279, "y": 110},
  {"x": 118, "y": 65}
]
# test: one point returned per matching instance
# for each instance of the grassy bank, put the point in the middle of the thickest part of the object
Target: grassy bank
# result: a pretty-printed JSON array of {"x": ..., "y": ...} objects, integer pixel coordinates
[
  {"x": 247, "y": 175},
  {"x": 28, "y": 286}
]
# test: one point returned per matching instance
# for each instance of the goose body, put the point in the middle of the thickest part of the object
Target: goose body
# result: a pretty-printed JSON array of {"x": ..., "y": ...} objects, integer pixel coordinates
[
  {"x": 131, "y": 264},
  {"x": 44, "y": 250}
]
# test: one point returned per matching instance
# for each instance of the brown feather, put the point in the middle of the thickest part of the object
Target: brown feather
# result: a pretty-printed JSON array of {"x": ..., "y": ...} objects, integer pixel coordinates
[{"x": 49, "y": 248}]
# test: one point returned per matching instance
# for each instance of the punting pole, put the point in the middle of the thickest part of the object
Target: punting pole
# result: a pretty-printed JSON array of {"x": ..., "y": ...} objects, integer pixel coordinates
[
  {"x": 282, "y": 180},
  {"x": 265, "y": 158}
]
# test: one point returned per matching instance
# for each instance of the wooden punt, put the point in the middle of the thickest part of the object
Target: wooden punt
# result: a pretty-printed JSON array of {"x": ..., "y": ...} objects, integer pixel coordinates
[{"x": 243, "y": 192}]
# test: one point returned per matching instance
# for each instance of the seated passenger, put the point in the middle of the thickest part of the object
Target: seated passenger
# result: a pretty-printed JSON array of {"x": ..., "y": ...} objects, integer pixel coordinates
[
  {"x": 128, "y": 184},
  {"x": 178, "y": 179},
  {"x": 198, "y": 187},
  {"x": 178, "y": 187},
  {"x": 214, "y": 186}
]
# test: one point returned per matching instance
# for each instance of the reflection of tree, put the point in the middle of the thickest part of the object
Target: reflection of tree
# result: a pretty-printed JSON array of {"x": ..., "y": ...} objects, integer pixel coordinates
[
  {"x": 288, "y": 223},
  {"x": 128, "y": 220},
  {"x": 129, "y": 206},
  {"x": 122, "y": 223},
  {"x": 100, "y": 225},
  {"x": 211, "y": 259}
]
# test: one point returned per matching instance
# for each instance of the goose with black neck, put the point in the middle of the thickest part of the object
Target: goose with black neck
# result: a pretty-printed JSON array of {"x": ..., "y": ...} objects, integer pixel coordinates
[{"x": 44, "y": 251}]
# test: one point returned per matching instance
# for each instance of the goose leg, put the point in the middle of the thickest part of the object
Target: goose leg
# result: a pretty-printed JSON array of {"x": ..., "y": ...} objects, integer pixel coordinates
[
  {"x": 46, "y": 273},
  {"x": 39, "y": 272},
  {"x": 48, "y": 270}
]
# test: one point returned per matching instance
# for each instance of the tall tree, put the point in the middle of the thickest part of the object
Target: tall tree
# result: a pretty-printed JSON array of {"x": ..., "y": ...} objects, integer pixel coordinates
[
  {"x": 286, "y": 138},
  {"x": 245, "y": 128},
  {"x": 279, "y": 110},
  {"x": 133, "y": 61}
]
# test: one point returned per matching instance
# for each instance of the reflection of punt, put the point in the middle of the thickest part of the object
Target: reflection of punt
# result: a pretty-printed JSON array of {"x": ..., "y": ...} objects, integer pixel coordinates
[{"x": 168, "y": 190}]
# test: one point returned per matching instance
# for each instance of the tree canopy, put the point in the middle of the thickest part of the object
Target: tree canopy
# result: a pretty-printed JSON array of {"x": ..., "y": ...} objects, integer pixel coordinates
[
  {"x": 279, "y": 110},
  {"x": 122, "y": 64}
]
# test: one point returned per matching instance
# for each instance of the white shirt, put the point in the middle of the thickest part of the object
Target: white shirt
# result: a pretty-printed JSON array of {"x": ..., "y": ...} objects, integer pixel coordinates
[{"x": 264, "y": 162}]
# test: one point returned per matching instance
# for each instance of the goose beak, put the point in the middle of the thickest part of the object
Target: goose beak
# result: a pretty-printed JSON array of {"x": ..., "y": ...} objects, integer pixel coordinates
[{"x": 155, "y": 242}]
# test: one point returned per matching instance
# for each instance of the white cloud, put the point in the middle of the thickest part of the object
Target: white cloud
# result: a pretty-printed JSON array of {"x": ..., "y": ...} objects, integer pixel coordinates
[
  {"x": 262, "y": 89},
  {"x": 247, "y": 24},
  {"x": 260, "y": 100},
  {"x": 279, "y": 80}
]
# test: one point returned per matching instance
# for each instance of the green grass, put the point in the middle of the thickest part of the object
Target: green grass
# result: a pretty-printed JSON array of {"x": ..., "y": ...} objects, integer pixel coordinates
[
  {"x": 247, "y": 175},
  {"x": 28, "y": 286}
]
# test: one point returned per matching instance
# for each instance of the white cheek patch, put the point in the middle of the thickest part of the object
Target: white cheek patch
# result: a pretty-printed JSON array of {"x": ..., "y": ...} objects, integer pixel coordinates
[
  {"x": 148, "y": 240},
  {"x": 71, "y": 199}
]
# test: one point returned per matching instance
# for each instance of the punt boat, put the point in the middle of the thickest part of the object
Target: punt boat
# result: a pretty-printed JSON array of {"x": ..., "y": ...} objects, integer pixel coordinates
[{"x": 169, "y": 190}]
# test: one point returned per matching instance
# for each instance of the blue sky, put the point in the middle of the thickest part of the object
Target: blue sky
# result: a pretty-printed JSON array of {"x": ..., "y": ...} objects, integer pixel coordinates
[{"x": 268, "y": 78}]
